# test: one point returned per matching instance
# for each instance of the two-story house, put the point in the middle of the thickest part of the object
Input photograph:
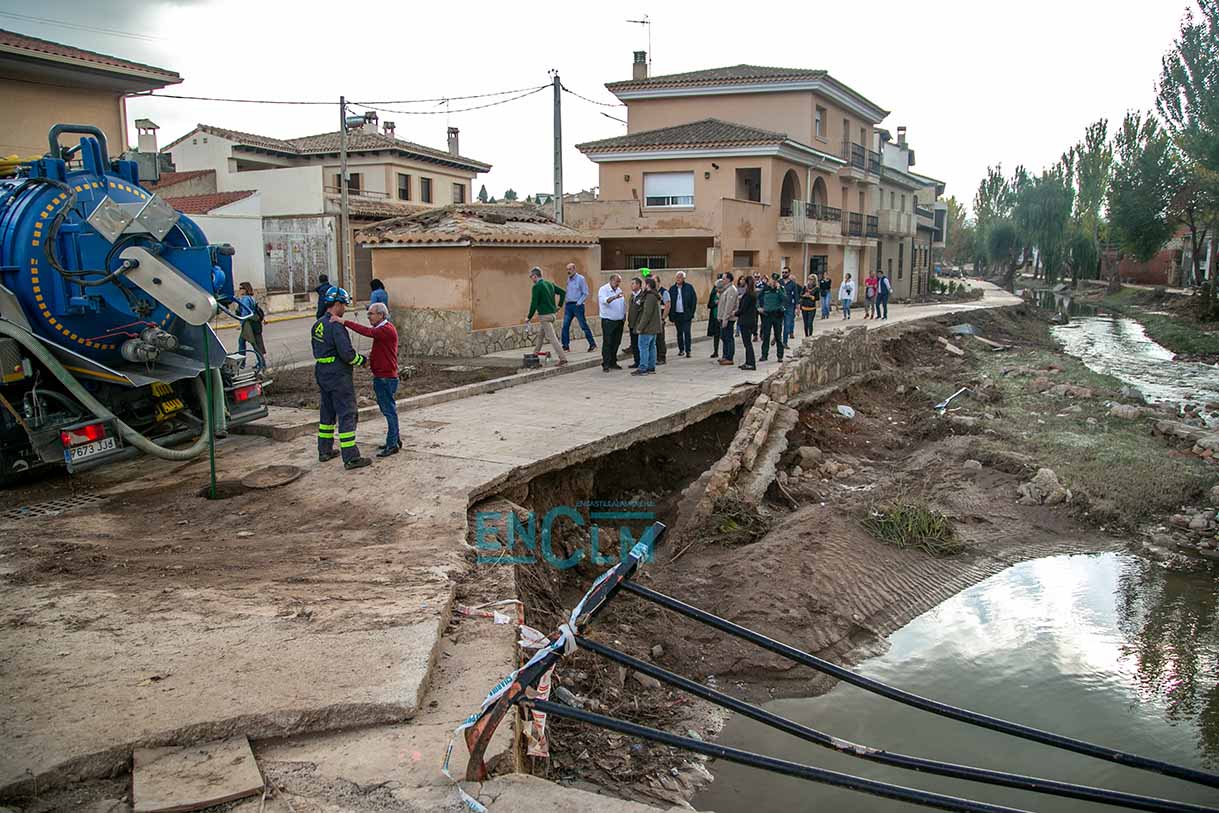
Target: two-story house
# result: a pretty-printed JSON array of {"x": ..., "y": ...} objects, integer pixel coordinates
[
  {"x": 911, "y": 219},
  {"x": 299, "y": 188},
  {"x": 737, "y": 168}
]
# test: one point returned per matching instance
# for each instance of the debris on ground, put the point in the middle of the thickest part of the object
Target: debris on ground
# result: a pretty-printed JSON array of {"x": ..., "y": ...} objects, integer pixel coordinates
[
  {"x": 950, "y": 347},
  {"x": 193, "y": 777},
  {"x": 943, "y": 405},
  {"x": 964, "y": 329},
  {"x": 1044, "y": 489},
  {"x": 846, "y": 411}
]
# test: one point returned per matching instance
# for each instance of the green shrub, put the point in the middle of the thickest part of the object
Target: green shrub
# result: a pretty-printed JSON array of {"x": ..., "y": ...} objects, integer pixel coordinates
[{"x": 912, "y": 525}]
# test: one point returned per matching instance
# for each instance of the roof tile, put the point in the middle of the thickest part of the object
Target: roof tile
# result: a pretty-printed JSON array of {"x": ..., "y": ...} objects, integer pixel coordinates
[
  {"x": 476, "y": 223},
  {"x": 720, "y": 76},
  {"x": 35, "y": 45},
  {"x": 202, "y": 204},
  {"x": 705, "y": 133}
]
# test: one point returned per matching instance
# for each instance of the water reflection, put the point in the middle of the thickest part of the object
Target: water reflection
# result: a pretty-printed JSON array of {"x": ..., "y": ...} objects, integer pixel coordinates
[
  {"x": 1106, "y": 648},
  {"x": 1121, "y": 347}
]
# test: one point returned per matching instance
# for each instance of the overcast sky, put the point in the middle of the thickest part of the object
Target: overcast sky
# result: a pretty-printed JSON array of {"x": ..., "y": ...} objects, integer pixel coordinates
[{"x": 976, "y": 82}]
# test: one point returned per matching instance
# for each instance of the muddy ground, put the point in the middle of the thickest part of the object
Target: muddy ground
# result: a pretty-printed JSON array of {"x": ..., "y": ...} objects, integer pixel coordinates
[
  {"x": 817, "y": 579},
  {"x": 297, "y": 388}
]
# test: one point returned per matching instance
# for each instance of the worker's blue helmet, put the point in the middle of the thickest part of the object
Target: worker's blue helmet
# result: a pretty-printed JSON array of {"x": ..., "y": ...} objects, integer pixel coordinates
[{"x": 335, "y": 294}]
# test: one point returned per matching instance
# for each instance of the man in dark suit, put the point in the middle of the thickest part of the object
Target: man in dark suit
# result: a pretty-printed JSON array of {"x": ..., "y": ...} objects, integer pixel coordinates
[{"x": 682, "y": 302}]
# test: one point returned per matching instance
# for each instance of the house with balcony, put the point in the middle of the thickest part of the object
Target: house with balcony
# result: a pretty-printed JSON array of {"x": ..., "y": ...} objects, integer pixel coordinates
[
  {"x": 907, "y": 208},
  {"x": 298, "y": 184},
  {"x": 734, "y": 169}
]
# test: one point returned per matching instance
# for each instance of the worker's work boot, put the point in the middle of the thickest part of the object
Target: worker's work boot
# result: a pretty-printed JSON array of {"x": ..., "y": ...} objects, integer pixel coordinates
[
  {"x": 322, "y": 457},
  {"x": 357, "y": 463}
]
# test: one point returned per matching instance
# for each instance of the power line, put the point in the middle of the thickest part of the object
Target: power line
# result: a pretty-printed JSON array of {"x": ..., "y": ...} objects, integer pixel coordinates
[
  {"x": 592, "y": 101},
  {"x": 368, "y": 105},
  {"x": 453, "y": 98},
  {"x": 219, "y": 99},
  {"x": 446, "y": 112},
  {"x": 81, "y": 27}
]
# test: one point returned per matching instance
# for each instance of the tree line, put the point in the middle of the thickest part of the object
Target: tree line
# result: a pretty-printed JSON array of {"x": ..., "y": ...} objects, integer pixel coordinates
[{"x": 1112, "y": 195}]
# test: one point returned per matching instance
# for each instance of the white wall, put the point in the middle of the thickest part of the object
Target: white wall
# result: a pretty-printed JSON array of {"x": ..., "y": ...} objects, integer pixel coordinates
[
  {"x": 288, "y": 191},
  {"x": 241, "y": 228},
  {"x": 207, "y": 152}
]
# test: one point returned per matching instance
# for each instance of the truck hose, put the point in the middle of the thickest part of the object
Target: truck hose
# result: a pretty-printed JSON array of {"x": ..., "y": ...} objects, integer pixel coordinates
[{"x": 133, "y": 437}]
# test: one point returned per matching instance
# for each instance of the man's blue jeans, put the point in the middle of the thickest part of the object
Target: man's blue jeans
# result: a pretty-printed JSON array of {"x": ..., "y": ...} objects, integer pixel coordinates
[
  {"x": 573, "y": 311},
  {"x": 728, "y": 341},
  {"x": 825, "y": 305},
  {"x": 789, "y": 323},
  {"x": 647, "y": 352},
  {"x": 385, "y": 389},
  {"x": 882, "y": 304},
  {"x": 684, "y": 337}
]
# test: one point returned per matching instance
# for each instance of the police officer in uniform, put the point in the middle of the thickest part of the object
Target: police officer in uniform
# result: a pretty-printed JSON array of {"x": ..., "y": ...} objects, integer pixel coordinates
[{"x": 333, "y": 358}]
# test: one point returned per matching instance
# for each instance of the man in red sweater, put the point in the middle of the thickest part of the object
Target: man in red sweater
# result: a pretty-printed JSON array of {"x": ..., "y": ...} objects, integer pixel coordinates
[{"x": 384, "y": 363}]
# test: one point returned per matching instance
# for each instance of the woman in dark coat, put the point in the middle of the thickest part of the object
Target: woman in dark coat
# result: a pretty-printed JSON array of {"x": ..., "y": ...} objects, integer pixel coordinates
[
  {"x": 747, "y": 321},
  {"x": 713, "y": 321}
]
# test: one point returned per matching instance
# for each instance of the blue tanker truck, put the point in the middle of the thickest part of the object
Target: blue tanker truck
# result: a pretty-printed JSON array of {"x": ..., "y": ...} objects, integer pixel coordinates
[{"x": 106, "y": 294}]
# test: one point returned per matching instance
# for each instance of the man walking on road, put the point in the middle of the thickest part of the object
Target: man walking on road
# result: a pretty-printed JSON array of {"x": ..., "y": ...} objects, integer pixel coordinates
[
  {"x": 683, "y": 301},
  {"x": 542, "y": 301},
  {"x": 726, "y": 310},
  {"x": 573, "y": 308},
  {"x": 334, "y": 357},
  {"x": 384, "y": 363},
  {"x": 882, "y": 295},
  {"x": 611, "y": 301},
  {"x": 791, "y": 290}
]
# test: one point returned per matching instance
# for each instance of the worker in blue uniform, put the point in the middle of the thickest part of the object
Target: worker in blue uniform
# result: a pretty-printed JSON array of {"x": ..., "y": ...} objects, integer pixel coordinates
[{"x": 334, "y": 358}]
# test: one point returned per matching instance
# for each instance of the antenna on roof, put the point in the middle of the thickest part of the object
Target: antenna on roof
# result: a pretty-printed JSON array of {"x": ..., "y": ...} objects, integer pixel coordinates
[{"x": 646, "y": 22}]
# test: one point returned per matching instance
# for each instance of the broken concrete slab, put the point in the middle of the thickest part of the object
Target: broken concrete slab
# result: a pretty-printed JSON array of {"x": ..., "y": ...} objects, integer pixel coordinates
[
  {"x": 173, "y": 780},
  {"x": 521, "y": 793}
]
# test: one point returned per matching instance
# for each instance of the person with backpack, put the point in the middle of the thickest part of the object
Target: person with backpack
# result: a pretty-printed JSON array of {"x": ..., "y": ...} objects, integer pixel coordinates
[
  {"x": 882, "y": 295},
  {"x": 870, "y": 287},
  {"x": 251, "y": 327}
]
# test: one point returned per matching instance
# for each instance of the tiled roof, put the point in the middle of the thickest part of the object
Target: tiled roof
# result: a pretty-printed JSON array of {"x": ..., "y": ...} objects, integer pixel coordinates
[
  {"x": 475, "y": 223},
  {"x": 34, "y": 45},
  {"x": 377, "y": 208},
  {"x": 705, "y": 133},
  {"x": 732, "y": 74},
  {"x": 326, "y": 143},
  {"x": 202, "y": 204},
  {"x": 171, "y": 178}
]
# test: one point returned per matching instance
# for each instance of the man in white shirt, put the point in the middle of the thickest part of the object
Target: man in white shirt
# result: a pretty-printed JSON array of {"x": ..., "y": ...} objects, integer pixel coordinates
[{"x": 611, "y": 300}]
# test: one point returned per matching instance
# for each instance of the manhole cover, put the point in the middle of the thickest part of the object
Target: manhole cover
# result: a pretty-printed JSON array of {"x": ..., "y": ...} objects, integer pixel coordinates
[
  {"x": 51, "y": 508},
  {"x": 271, "y": 476}
]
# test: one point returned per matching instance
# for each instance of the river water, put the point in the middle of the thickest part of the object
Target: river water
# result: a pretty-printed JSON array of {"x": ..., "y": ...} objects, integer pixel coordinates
[
  {"x": 1120, "y": 347},
  {"x": 1109, "y": 648}
]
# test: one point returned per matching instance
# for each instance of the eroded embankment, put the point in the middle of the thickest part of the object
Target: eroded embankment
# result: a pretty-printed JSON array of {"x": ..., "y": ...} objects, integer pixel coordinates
[{"x": 788, "y": 555}]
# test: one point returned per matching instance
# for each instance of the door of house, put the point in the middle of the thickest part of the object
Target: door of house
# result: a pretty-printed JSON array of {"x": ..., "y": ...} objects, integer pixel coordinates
[
  {"x": 818, "y": 264},
  {"x": 850, "y": 263},
  {"x": 361, "y": 257}
]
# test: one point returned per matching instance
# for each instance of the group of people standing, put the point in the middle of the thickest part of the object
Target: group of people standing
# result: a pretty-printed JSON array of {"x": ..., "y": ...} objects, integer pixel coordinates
[{"x": 876, "y": 289}]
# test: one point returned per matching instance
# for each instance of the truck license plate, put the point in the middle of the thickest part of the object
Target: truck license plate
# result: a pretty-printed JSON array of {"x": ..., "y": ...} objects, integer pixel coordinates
[{"x": 79, "y": 453}]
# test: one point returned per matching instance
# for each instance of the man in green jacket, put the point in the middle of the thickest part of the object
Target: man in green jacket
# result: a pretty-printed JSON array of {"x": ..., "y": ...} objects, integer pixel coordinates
[
  {"x": 545, "y": 300},
  {"x": 772, "y": 302}
]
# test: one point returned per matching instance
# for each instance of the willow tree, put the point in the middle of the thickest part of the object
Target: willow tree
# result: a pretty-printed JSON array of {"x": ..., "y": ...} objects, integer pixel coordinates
[
  {"x": 1093, "y": 168},
  {"x": 1187, "y": 99},
  {"x": 1049, "y": 201},
  {"x": 1141, "y": 193},
  {"x": 992, "y": 203}
]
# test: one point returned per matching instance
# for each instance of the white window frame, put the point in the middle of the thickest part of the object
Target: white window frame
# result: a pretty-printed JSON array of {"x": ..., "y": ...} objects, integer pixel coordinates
[
  {"x": 819, "y": 122},
  {"x": 671, "y": 189}
]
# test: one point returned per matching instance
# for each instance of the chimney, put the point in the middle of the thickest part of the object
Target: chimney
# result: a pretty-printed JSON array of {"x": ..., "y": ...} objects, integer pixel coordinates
[
  {"x": 639, "y": 70},
  {"x": 389, "y": 128},
  {"x": 148, "y": 135},
  {"x": 370, "y": 122},
  {"x": 901, "y": 135},
  {"x": 453, "y": 148}
]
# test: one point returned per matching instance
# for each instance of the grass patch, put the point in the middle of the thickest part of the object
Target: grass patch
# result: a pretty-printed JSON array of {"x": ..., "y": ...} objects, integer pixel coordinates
[
  {"x": 913, "y": 525},
  {"x": 1180, "y": 332}
]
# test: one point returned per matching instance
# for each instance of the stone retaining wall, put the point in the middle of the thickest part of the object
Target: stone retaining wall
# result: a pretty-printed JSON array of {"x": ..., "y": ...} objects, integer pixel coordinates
[{"x": 428, "y": 332}]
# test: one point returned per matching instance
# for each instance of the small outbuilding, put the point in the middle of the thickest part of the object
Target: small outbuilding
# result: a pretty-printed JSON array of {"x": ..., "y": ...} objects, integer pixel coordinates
[{"x": 458, "y": 276}]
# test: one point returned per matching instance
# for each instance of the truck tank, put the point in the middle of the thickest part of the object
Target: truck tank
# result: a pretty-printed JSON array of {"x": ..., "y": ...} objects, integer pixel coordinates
[{"x": 104, "y": 281}]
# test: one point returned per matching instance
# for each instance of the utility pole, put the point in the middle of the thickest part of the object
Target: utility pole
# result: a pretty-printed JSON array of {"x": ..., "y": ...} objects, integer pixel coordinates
[
  {"x": 558, "y": 148},
  {"x": 344, "y": 213}
]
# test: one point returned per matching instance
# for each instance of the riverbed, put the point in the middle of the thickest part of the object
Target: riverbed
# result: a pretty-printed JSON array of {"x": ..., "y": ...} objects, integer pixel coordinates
[
  {"x": 1119, "y": 346},
  {"x": 1110, "y": 648}
]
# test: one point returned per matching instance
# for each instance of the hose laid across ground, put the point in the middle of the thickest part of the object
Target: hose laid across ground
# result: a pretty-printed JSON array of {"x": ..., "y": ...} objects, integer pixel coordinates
[{"x": 144, "y": 444}]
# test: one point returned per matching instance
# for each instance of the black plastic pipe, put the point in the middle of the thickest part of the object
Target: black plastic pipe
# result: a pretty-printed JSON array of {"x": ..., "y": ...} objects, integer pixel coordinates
[
  {"x": 919, "y": 702},
  {"x": 1029, "y": 783},
  {"x": 842, "y": 780}
]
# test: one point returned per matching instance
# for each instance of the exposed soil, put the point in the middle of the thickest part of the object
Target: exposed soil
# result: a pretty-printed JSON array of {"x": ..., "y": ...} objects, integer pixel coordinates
[
  {"x": 297, "y": 387},
  {"x": 817, "y": 579}
]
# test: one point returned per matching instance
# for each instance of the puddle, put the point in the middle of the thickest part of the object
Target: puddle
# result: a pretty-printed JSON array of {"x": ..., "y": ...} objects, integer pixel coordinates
[
  {"x": 1120, "y": 347},
  {"x": 1109, "y": 648}
]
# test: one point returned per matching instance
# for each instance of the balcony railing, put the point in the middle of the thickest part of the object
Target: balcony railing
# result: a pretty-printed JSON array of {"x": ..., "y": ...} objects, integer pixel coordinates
[
  {"x": 817, "y": 211},
  {"x": 924, "y": 211},
  {"x": 873, "y": 226},
  {"x": 852, "y": 224},
  {"x": 857, "y": 156}
]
